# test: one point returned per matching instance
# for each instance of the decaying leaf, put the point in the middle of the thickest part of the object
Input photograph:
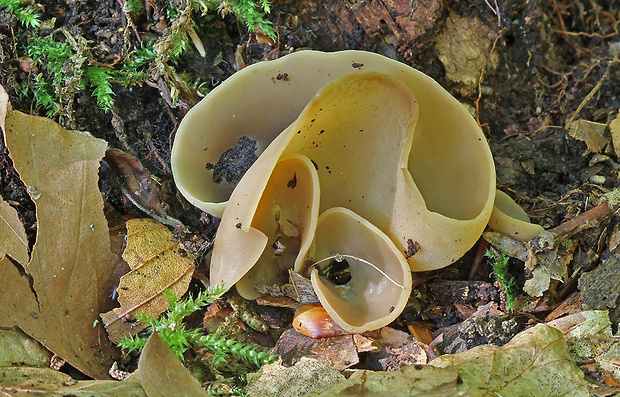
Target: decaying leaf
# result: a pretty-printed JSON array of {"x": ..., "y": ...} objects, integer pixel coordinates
[
  {"x": 57, "y": 296},
  {"x": 16, "y": 381},
  {"x": 614, "y": 129},
  {"x": 593, "y": 134},
  {"x": 15, "y": 241},
  {"x": 410, "y": 380},
  {"x": 590, "y": 338},
  {"x": 24, "y": 369},
  {"x": 306, "y": 375},
  {"x": 17, "y": 348},
  {"x": 464, "y": 49},
  {"x": 157, "y": 264},
  {"x": 138, "y": 185},
  {"x": 536, "y": 362},
  {"x": 396, "y": 349},
  {"x": 162, "y": 374},
  {"x": 339, "y": 351},
  {"x": 13, "y": 244}
]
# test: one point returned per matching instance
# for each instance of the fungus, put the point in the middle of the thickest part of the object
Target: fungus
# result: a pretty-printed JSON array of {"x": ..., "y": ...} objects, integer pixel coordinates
[
  {"x": 442, "y": 195},
  {"x": 374, "y": 165},
  {"x": 380, "y": 279},
  {"x": 509, "y": 218},
  {"x": 281, "y": 226}
]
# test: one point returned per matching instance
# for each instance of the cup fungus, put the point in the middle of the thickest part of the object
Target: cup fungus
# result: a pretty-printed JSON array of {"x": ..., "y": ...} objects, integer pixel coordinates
[
  {"x": 448, "y": 183},
  {"x": 395, "y": 169},
  {"x": 281, "y": 227},
  {"x": 509, "y": 218},
  {"x": 379, "y": 281}
]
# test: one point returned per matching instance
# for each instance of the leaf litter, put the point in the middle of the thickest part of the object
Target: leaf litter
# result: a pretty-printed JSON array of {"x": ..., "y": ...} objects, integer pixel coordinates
[
  {"x": 545, "y": 269},
  {"x": 157, "y": 263},
  {"x": 56, "y": 296}
]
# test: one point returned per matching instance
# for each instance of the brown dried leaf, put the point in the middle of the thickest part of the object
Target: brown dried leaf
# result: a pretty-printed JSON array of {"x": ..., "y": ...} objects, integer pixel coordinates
[
  {"x": 157, "y": 264},
  {"x": 17, "y": 348},
  {"x": 396, "y": 349},
  {"x": 162, "y": 374},
  {"x": 339, "y": 351},
  {"x": 64, "y": 285},
  {"x": 138, "y": 185},
  {"x": 593, "y": 134},
  {"x": 17, "y": 381},
  {"x": 15, "y": 241}
]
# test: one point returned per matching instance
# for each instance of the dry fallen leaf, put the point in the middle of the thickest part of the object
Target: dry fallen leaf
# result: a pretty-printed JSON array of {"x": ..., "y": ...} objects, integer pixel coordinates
[
  {"x": 15, "y": 241},
  {"x": 17, "y": 348},
  {"x": 593, "y": 134},
  {"x": 306, "y": 375},
  {"x": 340, "y": 351},
  {"x": 536, "y": 362},
  {"x": 24, "y": 369},
  {"x": 59, "y": 293},
  {"x": 157, "y": 264},
  {"x": 410, "y": 380},
  {"x": 590, "y": 338},
  {"x": 14, "y": 244},
  {"x": 17, "y": 381},
  {"x": 162, "y": 374},
  {"x": 138, "y": 185}
]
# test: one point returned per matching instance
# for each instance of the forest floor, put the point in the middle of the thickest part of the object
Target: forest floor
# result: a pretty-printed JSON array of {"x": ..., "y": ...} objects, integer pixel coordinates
[{"x": 540, "y": 78}]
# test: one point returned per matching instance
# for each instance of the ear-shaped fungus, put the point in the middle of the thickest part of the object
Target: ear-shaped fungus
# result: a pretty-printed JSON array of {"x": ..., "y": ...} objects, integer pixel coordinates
[
  {"x": 380, "y": 279},
  {"x": 509, "y": 218},
  {"x": 435, "y": 187},
  {"x": 280, "y": 226}
]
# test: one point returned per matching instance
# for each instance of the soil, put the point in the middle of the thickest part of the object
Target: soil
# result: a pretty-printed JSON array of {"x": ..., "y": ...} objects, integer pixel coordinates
[{"x": 545, "y": 64}]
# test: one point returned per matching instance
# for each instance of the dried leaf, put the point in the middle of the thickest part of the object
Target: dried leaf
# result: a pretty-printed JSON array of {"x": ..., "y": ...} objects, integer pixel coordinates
[
  {"x": 17, "y": 348},
  {"x": 411, "y": 380},
  {"x": 614, "y": 129},
  {"x": 162, "y": 374},
  {"x": 396, "y": 349},
  {"x": 534, "y": 363},
  {"x": 24, "y": 369},
  {"x": 15, "y": 241},
  {"x": 464, "y": 49},
  {"x": 138, "y": 185},
  {"x": 592, "y": 323},
  {"x": 16, "y": 381},
  {"x": 14, "y": 244},
  {"x": 157, "y": 264},
  {"x": 66, "y": 281},
  {"x": 339, "y": 351},
  {"x": 590, "y": 337},
  {"x": 593, "y": 134},
  {"x": 306, "y": 375}
]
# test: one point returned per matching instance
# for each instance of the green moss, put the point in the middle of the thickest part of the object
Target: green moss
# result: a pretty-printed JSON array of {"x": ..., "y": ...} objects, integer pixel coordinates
[
  {"x": 217, "y": 352},
  {"x": 500, "y": 272},
  {"x": 26, "y": 13}
]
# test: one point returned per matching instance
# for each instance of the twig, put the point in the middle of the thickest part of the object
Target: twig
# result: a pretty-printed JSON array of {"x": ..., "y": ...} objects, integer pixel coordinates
[{"x": 594, "y": 90}]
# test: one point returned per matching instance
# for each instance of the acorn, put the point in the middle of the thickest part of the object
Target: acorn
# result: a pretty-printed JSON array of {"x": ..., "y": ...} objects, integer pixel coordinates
[{"x": 313, "y": 321}]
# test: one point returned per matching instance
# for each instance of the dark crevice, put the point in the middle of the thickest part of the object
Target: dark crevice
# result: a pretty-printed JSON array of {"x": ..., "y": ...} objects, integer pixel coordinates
[{"x": 23, "y": 273}]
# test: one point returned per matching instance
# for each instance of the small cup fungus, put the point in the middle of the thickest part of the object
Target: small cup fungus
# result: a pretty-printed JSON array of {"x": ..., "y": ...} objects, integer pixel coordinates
[
  {"x": 509, "y": 218},
  {"x": 380, "y": 279},
  {"x": 358, "y": 155}
]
